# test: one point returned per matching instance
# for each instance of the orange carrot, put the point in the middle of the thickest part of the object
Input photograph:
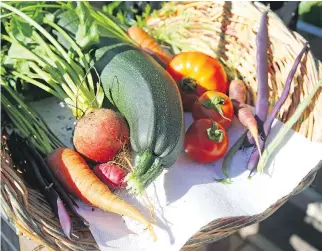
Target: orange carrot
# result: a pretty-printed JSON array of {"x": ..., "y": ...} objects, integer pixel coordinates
[
  {"x": 237, "y": 93},
  {"x": 148, "y": 44},
  {"x": 78, "y": 179}
]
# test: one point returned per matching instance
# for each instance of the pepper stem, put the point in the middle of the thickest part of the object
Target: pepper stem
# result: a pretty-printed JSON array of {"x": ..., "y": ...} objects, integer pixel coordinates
[
  {"x": 215, "y": 103},
  {"x": 215, "y": 134},
  {"x": 188, "y": 84}
]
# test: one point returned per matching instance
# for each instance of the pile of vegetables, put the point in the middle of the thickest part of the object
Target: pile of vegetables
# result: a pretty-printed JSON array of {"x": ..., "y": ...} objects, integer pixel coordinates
[
  {"x": 78, "y": 54},
  {"x": 129, "y": 96},
  {"x": 204, "y": 84},
  {"x": 36, "y": 150}
]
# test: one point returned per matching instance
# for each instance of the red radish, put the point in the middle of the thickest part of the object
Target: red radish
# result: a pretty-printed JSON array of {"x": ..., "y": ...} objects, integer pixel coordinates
[
  {"x": 100, "y": 134},
  {"x": 111, "y": 174}
]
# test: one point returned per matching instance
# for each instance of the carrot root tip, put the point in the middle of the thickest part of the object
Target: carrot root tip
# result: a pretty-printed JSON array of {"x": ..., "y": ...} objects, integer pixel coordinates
[{"x": 152, "y": 233}]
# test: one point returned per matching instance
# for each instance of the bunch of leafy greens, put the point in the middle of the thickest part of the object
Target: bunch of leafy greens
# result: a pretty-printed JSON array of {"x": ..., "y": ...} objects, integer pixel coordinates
[{"x": 49, "y": 45}]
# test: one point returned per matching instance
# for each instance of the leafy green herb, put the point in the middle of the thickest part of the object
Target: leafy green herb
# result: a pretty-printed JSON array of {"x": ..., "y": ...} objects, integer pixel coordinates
[
  {"x": 21, "y": 30},
  {"x": 36, "y": 57},
  {"x": 87, "y": 34},
  {"x": 111, "y": 7}
]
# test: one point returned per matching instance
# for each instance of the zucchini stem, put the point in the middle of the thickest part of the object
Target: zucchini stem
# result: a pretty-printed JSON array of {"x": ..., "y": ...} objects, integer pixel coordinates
[{"x": 147, "y": 169}]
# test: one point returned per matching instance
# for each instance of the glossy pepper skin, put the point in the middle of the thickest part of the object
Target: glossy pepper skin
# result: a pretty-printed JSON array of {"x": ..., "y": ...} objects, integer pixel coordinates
[
  {"x": 205, "y": 141},
  {"x": 216, "y": 106}
]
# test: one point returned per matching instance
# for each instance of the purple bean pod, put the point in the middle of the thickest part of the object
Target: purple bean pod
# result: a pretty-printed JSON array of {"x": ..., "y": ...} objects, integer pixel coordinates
[
  {"x": 285, "y": 93},
  {"x": 66, "y": 198},
  {"x": 254, "y": 158},
  {"x": 51, "y": 195},
  {"x": 261, "y": 107}
]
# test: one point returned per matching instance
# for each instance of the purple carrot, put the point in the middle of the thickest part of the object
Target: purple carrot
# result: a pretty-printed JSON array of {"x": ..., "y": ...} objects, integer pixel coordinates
[{"x": 285, "y": 93}]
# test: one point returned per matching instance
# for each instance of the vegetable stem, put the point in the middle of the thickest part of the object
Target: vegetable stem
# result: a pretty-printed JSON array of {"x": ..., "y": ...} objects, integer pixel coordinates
[
  {"x": 136, "y": 183},
  {"x": 23, "y": 124},
  {"x": 31, "y": 8},
  {"x": 215, "y": 134},
  {"x": 108, "y": 24},
  {"x": 27, "y": 122},
  {"x": 216, "y": 103},
  {"x": 142, "y": 162},
  {"x": 78, "y": 51},
  {"x": 188, "y": 84},
  {"x": 37, "y": 83},
  {"x": 48, "y": 79}
]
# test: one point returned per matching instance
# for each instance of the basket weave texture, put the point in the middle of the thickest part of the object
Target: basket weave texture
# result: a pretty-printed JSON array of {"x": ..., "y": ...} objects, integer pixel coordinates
[{"x": 223, "y": 30}]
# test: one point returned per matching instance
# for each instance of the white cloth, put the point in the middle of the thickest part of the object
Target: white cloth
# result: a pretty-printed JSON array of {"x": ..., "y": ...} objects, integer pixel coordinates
[{"x": 186, "y": 197}]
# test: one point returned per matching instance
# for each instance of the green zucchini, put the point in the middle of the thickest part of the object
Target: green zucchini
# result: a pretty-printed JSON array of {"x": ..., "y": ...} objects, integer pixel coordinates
[{"x": 149, "y": 99}]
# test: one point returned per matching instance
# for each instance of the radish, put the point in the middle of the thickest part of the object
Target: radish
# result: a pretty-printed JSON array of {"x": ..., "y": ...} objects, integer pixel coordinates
[
  {"x": 100, "y": 134},
  {"x": 111, "y": 174}
]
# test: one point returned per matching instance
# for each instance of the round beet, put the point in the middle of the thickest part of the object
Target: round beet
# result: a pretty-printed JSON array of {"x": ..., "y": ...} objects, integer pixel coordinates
[{"x": 100, "y": 134}]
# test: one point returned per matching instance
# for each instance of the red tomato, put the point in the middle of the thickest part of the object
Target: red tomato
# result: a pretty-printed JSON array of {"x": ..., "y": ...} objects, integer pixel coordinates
[
  {"x": 215, "y": 106},
  {"x": 206, "y": 141},
  {"x": 196, "y": 73}
]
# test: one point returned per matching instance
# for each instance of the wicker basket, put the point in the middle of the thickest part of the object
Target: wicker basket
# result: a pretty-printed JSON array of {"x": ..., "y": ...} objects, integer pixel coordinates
[{"x": 224, "y": 30}]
